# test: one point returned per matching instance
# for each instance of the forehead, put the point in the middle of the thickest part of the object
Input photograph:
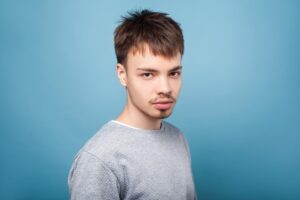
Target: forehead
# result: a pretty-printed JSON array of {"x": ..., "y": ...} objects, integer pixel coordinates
[{"x": 145, "y": 58}]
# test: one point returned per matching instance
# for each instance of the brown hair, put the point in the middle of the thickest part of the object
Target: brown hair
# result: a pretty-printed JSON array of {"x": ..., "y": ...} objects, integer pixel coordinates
[{"x": 161, "y": 33}]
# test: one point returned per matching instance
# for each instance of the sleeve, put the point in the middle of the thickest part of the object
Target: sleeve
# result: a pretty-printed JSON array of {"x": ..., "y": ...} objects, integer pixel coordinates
[
  {"x": 90, "y": 179},
  {"x": 186, "y": 144}
]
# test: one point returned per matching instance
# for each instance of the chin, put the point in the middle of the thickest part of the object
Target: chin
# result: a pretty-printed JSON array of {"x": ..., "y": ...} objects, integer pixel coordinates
[{"x": 162, "y": 115}]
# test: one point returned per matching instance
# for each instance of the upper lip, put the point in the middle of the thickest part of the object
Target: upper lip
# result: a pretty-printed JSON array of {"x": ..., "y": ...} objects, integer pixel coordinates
[{"x": 166, "y": 101}]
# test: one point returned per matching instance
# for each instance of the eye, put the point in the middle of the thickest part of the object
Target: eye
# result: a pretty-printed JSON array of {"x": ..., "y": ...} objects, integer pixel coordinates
[
  {"x": 175, "y": 74},
  {"x": 147, "y": 75}
]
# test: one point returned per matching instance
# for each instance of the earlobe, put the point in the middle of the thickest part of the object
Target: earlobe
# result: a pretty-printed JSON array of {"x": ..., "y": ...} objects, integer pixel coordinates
[{"x": 121, "y": 74}]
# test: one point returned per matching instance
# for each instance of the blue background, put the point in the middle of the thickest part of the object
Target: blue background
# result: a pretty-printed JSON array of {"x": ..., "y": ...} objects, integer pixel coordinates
[{"x": 239, "y": 107}]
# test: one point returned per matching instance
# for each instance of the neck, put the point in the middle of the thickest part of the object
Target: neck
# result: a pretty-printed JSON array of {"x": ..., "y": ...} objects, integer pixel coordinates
[{"x": 138, "y": 119}]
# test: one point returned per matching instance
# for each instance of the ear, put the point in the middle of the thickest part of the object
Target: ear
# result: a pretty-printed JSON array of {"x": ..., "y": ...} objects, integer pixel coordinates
[{"x": 121, "y": 71}]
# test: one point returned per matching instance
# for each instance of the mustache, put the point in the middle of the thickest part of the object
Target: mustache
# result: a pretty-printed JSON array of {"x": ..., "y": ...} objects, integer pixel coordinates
[{"x": 163, "y": 98}]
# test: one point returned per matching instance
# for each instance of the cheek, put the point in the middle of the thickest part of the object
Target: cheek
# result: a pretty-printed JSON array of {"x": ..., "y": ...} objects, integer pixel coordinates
[
  {"x": 140, "y": 90},
  {"x": 176, "y": 87},
  {"x": 144, "y": 86}
]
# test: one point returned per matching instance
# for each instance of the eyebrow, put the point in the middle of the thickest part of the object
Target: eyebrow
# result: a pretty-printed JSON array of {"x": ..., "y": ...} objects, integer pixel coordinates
[{"x": 154, "y": 70}]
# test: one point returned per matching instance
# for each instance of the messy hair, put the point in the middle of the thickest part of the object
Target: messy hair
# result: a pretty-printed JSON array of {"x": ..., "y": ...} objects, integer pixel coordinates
[{"x": 144, "y": 28}]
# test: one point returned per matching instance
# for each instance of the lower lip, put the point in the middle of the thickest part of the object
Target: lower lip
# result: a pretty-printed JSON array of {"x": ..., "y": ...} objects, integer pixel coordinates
[{"x": 163, "y": 106}]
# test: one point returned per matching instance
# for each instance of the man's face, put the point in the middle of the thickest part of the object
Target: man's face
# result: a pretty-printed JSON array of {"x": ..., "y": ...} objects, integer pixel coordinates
[{"x": 153, "y": 84}]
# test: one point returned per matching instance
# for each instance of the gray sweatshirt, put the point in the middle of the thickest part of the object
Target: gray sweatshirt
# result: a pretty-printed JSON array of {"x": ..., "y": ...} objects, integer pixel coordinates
[{"x": 121, "y": 162}]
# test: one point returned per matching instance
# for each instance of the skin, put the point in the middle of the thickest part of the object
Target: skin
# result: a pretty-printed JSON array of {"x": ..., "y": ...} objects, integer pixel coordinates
[{"x": 148, "y": 79}]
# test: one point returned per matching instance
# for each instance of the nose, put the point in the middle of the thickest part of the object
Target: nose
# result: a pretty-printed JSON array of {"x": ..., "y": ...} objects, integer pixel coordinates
[{"x": 164, "y": 86}]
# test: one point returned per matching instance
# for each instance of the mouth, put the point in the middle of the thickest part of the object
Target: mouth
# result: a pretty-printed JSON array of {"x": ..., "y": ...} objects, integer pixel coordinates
[{"x": 163, "y": 105}]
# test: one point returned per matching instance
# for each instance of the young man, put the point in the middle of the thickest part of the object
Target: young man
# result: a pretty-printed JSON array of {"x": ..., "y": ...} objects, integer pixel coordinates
[{"x": 138, "y": 155}]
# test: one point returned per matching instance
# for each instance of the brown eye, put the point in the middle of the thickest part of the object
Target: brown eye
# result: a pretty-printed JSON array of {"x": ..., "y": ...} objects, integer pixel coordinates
[
  {"x": 175, "y": 74},
  {"x": 147, "y": 75}
]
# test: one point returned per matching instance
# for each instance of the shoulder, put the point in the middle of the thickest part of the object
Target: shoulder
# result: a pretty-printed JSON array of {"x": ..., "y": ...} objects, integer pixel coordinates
[
  {"x": 104, "y": 143},
  {"x": 169, "y": 127}
]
